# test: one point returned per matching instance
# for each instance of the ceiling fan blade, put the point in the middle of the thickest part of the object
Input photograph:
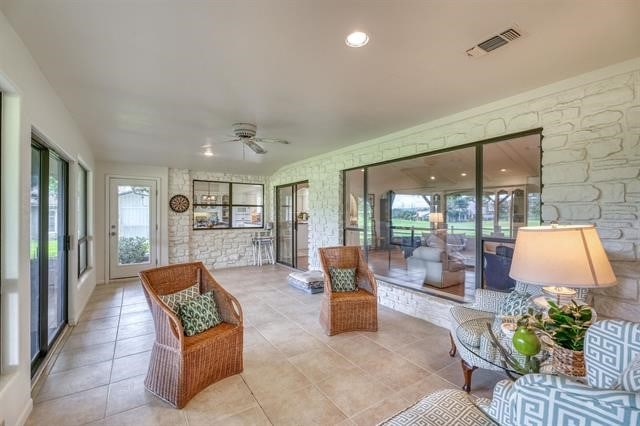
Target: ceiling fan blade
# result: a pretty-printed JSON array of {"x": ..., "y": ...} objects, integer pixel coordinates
[
  {"x": 269, "y": 140},
  {"x": 229, "y": 140},
  {"x": 254, "y": 146}
]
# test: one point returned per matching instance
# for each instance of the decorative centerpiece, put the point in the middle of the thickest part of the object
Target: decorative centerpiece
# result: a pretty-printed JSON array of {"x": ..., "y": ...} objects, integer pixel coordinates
[
  {"x": 567, "y": 326},
  {"x": 526, "y": 342}
]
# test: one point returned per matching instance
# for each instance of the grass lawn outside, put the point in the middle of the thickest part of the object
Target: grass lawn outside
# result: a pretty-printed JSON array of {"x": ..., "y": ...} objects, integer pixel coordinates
[{"x": 53, "y": 249}]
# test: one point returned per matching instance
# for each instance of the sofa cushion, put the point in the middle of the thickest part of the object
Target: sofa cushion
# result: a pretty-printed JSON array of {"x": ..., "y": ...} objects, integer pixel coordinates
[
  {"x": 199, "y": 314},
  {"x": 516, "y": 303},
  {"x": 172, "y": 300},
  {"x": 450, "y": 407},
  {"x": 343, "y": 279},
  {"x": 431, "y": 254}
]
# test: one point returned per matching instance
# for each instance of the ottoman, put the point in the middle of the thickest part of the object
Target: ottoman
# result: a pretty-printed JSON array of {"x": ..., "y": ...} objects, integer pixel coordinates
[{"x": 310, "y": 281}]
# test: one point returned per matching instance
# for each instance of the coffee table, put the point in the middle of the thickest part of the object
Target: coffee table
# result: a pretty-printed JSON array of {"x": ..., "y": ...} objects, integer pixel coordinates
[{"x": 496, "y": 357}]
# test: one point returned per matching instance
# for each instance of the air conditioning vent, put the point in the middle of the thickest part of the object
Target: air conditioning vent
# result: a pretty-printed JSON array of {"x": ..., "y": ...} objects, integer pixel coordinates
[
  {"x": 510, "y": 34},
  {"x": 494, "y": 42}
]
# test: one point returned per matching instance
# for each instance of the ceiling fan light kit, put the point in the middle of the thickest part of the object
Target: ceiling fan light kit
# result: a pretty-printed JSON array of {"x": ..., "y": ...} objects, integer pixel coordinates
[{"x": 246, "y": 134}]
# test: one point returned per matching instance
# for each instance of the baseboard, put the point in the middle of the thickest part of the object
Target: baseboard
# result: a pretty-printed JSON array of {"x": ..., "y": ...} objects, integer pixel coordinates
[{"x": 26, "y": 411}]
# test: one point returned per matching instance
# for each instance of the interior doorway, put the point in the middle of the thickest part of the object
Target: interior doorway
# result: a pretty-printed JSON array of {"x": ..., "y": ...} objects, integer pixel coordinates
[
  {"x": 292, "y": 225},
  {"x": 49, "y": 246},
  {"x": 133, "y": 226}
]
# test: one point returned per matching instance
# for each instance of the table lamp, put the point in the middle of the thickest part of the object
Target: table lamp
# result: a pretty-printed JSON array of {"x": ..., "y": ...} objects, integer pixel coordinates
[
  {"x": 436, "y": 218},
  {"x": 561, "y": 256}
]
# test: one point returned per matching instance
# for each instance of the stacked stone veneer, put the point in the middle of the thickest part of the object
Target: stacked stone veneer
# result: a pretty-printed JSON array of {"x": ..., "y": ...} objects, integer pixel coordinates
[
  {"x": 216, "y": 248},
  {"x": 591, "y": 168}
]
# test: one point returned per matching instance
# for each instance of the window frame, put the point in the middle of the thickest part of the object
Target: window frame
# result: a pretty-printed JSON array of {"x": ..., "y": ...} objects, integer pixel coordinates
[
  {"x": 230, "y": 205},
  {"x": 479, "y": 186},
  {"x": 84, "y": 173}
]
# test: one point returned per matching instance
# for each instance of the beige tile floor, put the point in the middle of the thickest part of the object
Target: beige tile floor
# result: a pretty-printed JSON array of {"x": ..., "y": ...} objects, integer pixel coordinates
[{"x": 293, "y": 373}]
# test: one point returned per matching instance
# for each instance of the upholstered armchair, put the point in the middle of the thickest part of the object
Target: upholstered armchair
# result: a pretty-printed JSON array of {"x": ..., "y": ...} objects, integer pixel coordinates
[
  {"x": 486, "y": 306},
  {"x": 496, "y": 269},
  {"x": 440, "y": 270},
  {"x": 544, "y": 399}
]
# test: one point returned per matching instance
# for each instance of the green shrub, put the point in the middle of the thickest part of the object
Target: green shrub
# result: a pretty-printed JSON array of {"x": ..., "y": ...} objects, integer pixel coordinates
[{"x": 133, "y": 250}]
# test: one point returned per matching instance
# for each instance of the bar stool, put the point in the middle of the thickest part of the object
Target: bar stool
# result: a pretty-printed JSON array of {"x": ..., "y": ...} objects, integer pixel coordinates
[{"x": 262, "y": 244}]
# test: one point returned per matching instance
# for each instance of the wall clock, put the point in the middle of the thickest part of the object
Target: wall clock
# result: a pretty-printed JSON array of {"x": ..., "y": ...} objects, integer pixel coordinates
[{"x": 179, "y": 203}]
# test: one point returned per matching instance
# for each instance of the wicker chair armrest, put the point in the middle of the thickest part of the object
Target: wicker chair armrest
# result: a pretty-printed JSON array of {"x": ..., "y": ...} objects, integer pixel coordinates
[
  {"x": 236, "y": 309},
  {"x": 169, "y": 329},
  {"x": 228, "y": 306}
]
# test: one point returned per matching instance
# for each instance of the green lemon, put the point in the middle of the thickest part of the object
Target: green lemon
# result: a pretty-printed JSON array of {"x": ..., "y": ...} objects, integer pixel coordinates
[{"x": 526, "y": 342}]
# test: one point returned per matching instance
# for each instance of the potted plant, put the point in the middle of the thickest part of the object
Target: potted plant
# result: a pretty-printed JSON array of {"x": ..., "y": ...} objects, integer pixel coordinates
[{"x": 567, "y": 326}]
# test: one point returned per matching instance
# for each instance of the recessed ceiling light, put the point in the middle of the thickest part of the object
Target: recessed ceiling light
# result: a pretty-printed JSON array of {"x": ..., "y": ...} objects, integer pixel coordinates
[
  {"x": 463, "y": 174},
  {"x": 362, "y": 170},
  {"x": 357, "y": 39},
  {"x": 503, "y": 170},
  {"x": 432, "y": 178},
  {"x": 208, "y": 153}
]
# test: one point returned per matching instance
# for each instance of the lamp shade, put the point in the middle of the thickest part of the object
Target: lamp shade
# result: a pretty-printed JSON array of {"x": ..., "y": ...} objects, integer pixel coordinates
[
  {"x": 556, "y": 255},
  {"x": 436, "y": 217}
]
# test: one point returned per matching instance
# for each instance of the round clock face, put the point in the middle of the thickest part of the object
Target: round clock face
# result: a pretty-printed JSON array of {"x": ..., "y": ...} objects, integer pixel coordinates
[{"x": 179, "y": 203}]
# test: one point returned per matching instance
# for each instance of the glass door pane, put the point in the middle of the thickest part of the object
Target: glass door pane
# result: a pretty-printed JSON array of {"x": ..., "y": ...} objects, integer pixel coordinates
[
  {"x": 132, "y": 226},
  {"x": 284, "y": 219},
  {"x": 511, "y": 199},
  {"x": 48, "y": 250},
  {"x": 35, "y": 250},
  {"x": 57, "y": 260},
  {"x": 302, "y": 226},
  {"x": 134, "y": 231}
]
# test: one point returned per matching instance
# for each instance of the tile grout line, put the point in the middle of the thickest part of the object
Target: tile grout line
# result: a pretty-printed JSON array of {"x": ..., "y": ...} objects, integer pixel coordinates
[{"x": 106, "y": 405}]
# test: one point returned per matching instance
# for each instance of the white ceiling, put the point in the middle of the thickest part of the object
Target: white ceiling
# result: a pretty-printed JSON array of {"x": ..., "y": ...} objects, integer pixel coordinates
[{"x": 149, "y": 81}]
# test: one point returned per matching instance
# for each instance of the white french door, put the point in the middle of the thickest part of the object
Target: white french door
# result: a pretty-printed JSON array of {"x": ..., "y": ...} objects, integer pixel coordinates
[{"x": 133, "y": 226}]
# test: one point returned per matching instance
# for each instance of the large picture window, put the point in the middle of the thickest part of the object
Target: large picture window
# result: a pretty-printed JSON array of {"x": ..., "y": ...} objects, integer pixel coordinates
[
  {"x": 83, "y": 239},
  {"x": 446, "y": 222},
  {"x": 227, "y": 205}
]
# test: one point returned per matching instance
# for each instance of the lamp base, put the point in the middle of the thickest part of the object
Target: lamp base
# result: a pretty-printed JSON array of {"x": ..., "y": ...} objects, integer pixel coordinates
[{"x": 559, "y": 293}]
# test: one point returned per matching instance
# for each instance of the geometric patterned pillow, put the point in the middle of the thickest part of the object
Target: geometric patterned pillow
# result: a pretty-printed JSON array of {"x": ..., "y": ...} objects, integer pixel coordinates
[
  {"x": 516, "y": 303},
  {"x": 199, "y": 314},
  {"x": 172, "y": 300},
  {"x": 343, "y": 279},
  {"x": 630, "y": 378}
]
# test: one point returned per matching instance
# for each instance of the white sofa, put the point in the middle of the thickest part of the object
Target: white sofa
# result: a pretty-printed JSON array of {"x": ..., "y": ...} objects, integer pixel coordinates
[{"x": 439, "y": 269}]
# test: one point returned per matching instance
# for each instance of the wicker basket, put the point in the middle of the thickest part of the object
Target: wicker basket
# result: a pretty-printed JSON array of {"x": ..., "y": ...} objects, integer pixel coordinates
[{"x": 568, "y": 362}]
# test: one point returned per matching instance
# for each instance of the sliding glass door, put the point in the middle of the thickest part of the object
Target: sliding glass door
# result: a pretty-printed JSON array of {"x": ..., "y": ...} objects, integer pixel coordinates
[
  {"x": 48, "y": 247},
  {"x": 292, "y": 218}
]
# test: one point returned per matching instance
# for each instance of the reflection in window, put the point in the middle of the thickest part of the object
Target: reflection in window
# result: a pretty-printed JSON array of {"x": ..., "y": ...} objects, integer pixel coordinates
[{"x": 418, "y": 220}]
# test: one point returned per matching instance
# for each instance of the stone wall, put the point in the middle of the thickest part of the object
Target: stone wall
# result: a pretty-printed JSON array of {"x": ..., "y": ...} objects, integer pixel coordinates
[
  {"x": 216, "y": 248},
  {"x": 591, "y": 165}
]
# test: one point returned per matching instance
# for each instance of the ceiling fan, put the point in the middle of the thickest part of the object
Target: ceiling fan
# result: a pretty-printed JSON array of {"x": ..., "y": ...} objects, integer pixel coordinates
[{"x": 245, "y": 133}]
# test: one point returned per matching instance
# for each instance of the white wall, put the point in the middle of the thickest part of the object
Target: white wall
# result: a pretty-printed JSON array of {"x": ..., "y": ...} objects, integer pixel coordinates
[
  {"x": 104, "y": 170},
  {"x": 216, "y": 248},
  {"x": 29, "y": 101}
]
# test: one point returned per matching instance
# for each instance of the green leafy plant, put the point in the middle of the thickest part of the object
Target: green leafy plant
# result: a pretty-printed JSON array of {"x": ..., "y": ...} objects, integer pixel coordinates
[
  {"x": 133, "y": 250},
  {"x": 566, "y": 325}
]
